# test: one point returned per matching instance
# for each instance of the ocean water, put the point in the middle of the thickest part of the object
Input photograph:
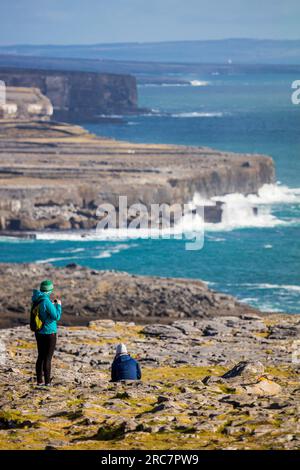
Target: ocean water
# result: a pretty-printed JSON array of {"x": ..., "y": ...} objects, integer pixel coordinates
[{"x": 253, "y": 258}]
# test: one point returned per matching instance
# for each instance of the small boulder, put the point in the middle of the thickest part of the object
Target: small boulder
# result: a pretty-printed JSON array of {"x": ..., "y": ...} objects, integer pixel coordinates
[
  {"x": 284, "y": 332},
  {"x": 263, "y": 387},
  {"x": 162, "y": 331},
  {"x": 245, "y": 369},
  {"x": 209, "y": 331}
]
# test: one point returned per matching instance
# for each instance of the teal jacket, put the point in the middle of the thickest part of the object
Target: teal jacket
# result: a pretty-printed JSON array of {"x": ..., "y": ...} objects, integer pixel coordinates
[{"x": 49, "y": 313}]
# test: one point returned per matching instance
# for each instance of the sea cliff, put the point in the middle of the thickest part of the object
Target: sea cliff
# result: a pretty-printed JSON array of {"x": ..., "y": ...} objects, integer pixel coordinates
[
  {"x": 54, "y": 175},
  {"x": 78, "y": 96}
]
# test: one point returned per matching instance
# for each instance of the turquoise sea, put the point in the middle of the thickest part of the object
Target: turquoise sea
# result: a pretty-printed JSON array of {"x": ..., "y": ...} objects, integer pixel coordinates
[{"x": 255, "y": 259}]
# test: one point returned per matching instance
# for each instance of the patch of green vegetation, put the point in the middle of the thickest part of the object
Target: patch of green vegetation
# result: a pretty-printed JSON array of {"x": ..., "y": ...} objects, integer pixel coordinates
[
  {"x": 182, "y": 372},
  {"x": 13, "y": 419},
  {"x": 277, "y": 422},
  {"x": 262, "y": 334},
  {"x": 282, "y": 372},
  {"x": 185, "y": 429},
  {"x": 122, "y": 395},
  {"x": 222, "y": 429},
  {"x": 227, "y": 390},
  {"x": 74, "y": 402},
  {"x": 138, "y": 405},
  {"x": 24, "y": 344},
  {"x": 109, "y": 432}
]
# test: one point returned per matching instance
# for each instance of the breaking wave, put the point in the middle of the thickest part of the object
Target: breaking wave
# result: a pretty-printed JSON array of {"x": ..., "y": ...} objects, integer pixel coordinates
[
  {"x": 94, "y": 253},
  {"x": 275, "y": 194},
  {"x": 185, "y": 114},
  {"x": 196, "y": 114},
  {"x": 195, "y": 83},
  {"x": 109, "y": 251},
  {"x": 265, "y": 286},
  {"x": 238, "y": 210},
  {"x": 199, "y": 83}
]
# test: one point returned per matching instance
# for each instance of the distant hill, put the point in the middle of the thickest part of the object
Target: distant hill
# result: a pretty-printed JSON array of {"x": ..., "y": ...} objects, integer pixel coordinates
[{"x": 235, "y": 51}]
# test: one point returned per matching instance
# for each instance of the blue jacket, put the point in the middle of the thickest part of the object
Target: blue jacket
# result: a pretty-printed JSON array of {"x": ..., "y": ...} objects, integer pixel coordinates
[
  {"x": 49, "y": 313},
  {"x": 125, "y": 367}
]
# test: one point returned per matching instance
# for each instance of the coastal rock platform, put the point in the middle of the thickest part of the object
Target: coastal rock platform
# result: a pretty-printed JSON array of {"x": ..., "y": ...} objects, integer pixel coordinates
[
  {"x": 89, "y": 295},
  {"x": 53, "y": 176}
]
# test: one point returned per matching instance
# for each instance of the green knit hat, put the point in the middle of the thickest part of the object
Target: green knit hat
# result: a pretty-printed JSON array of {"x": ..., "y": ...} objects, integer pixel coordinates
[{"x": 46, "y": 286}]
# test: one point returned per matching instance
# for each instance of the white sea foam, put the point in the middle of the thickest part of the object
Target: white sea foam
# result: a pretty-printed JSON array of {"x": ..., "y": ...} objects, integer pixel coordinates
[
  {"x": 266, "y": 286},
  {"x": 197, "y": 114},
  {"x": 199, "y": 83},
  {"x": 53, "y": 260},
  {"x": 73, "y": 250},
  {"x": 109, "y": 251},
  {"x": 106, "y": 253},
  {"x": 82, "y": 236},
  {"x": 249, "y": 300},
  {"x": 186, "y": 114},
  {"x": 216, "y": 239},
  {"x": 4, "y": 239},
  {"x": 63, "y": 236},
  {"x": 238, "y": 209},
  {"x": 263, "y": 305},
  {"x": 275, "y": 194},
  {"x": 188, "y": 224},
  {"x": 174, "y": 84},
  {"x": 152, "y": 85},
  {"x": 111, "y": 116},
  {"x": 237, "y": 213},
  {"x": 170, "y": 84}
]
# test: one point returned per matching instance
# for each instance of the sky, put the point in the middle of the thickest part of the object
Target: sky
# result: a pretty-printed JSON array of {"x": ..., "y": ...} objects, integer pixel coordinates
[{"x": 100, "y": 21}]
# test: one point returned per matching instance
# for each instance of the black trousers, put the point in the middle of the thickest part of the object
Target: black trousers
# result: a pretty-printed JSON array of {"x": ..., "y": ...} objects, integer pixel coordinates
[{"x": 46, "y": 347}]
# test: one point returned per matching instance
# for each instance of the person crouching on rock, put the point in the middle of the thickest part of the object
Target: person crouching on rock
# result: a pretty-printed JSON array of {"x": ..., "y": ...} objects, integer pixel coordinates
[
  {"x": 124, "y": 367},
  {"x": 43, "y": 321}
]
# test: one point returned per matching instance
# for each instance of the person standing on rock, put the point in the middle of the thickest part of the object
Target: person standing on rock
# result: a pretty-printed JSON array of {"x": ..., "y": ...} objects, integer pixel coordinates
[
  {"x": 43, "y": 321},
  {"x": 124, "y": 367}
]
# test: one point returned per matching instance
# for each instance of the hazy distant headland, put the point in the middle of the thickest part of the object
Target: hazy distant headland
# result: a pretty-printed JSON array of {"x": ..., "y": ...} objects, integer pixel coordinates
[
  {"x": 161, "y": 62},
  {"x": 233, "y": 50}
]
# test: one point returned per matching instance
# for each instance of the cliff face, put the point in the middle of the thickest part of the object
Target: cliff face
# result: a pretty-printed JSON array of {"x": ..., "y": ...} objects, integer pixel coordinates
[
  {"x": 54, "y": 176},
  {"x": 78, "y": 96}
]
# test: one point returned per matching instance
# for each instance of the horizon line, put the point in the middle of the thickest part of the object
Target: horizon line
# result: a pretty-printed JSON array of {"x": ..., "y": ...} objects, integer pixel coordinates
[{"x": 93, "y": 44}]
